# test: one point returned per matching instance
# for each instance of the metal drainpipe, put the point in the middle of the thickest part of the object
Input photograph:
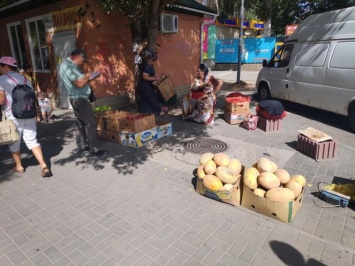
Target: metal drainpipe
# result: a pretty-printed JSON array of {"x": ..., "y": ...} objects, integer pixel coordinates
[{"x": 202, "y": 25}]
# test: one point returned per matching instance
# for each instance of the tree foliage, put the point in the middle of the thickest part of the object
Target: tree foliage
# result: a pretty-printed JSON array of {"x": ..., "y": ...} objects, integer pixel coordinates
[{"x": 282, "y": 12}]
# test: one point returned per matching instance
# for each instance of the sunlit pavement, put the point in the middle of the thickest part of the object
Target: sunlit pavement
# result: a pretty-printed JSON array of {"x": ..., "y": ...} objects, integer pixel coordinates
[{"x": 139, "y": 207}]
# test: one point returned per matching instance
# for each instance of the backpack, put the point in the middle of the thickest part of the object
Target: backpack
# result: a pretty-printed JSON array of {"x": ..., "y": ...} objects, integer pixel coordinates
[{"x": 23, "y": 100}]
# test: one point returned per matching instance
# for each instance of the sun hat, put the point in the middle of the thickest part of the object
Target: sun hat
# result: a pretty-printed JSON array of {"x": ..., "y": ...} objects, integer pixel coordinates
[
  {"x": 81, "y": 52},
  {"x": 8, "y": 60}
]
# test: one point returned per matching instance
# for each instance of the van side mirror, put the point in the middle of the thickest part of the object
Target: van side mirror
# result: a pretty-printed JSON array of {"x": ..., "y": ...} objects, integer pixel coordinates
[{"x": 264, "y": 63}]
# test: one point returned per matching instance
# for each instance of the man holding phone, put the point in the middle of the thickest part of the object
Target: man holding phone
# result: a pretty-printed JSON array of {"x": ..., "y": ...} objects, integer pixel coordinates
[{"x": 78, "y": 86}]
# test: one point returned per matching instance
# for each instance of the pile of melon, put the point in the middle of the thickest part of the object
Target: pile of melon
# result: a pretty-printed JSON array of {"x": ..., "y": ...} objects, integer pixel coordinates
[
  {"x": 219, "y": 171},
  {"x": 267, "y": 181}
]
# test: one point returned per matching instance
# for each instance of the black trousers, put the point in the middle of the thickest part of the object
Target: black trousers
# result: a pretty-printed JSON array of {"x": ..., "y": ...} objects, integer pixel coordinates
[{"x": 86, "y": 134}]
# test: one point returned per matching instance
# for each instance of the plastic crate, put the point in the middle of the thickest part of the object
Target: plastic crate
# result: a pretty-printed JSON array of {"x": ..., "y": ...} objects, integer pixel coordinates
[
  {"x": 316, "y": 150},
  {"x": 268, "y": 124}
]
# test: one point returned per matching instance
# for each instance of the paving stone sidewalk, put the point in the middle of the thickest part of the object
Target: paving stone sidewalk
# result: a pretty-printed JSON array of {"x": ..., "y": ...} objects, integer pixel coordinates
[{"x": 139, "y": 207}]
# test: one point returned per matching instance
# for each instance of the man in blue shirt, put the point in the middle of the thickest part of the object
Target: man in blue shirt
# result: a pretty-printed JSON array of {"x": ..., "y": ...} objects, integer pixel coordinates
[{"x": 78, "y": 87}]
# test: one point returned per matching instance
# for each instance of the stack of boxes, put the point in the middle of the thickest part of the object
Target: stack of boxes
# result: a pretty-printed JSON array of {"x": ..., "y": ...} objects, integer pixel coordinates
[
  {"x": 133, "y": 130},
  {"x": 236, "y": 108},
  {"x": 108, "y": 124}
]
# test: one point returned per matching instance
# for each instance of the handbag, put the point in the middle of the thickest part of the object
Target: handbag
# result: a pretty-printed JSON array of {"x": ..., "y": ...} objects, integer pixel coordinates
[
  {"x": 92, "y": 96},
  {"x": 8, "y": 130}
]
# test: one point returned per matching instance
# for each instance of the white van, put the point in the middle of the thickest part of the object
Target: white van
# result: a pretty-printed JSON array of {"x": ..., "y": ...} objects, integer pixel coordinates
[{"x": 316, "y": 65}]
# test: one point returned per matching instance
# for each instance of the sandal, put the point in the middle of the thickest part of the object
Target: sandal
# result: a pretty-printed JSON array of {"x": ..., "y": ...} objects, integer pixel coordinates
[
  {"x": 45, "y": 172},
  {"x": 19, "y": 171}
]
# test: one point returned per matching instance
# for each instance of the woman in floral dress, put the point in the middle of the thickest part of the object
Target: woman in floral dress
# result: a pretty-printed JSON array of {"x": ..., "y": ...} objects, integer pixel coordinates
[{"x": 199, "y": 104}]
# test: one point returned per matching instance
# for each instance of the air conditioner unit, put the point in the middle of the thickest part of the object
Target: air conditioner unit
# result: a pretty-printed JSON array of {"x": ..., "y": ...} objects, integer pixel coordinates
[{"x": 169, "y": 23}]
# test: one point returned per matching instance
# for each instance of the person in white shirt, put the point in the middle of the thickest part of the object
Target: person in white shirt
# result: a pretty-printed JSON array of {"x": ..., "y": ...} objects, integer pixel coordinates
[{"x": 46, "y": 107}]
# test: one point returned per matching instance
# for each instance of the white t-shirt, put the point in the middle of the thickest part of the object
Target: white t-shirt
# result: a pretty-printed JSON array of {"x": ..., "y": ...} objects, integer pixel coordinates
[
  {"x": 44, "y": 102},
  {"x": 7, "y": 85}
]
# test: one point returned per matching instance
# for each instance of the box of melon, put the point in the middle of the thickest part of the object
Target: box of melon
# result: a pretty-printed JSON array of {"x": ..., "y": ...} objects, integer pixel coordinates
[
  {"x": 271, "y": 191},
  {"x": 218, "y": 178}
]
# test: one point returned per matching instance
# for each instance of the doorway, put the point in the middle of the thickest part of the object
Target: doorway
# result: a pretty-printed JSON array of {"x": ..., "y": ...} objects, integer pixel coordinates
[{"x": 64, "y": 43}]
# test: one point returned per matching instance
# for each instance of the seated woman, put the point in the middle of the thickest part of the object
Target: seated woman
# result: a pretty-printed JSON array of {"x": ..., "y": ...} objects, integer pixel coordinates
[
  {"x": 148, "y": 99},
  {"x": 199, "y": 104}
]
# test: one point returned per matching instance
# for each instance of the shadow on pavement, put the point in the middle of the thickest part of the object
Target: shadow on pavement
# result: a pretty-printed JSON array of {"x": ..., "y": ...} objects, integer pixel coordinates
[{"x": 291, "y": 256}]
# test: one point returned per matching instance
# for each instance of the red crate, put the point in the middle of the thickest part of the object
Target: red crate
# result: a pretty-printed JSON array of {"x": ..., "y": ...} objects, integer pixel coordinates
[
  {"x": 268, "y": 124},
  {"x": 316, "y": 150}
]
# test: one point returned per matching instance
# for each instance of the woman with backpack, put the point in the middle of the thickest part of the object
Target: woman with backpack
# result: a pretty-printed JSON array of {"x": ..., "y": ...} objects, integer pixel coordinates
[{"x": 24, "y": 118}]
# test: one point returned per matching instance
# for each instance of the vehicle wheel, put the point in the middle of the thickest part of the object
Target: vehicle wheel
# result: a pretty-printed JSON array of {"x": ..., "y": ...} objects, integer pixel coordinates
[
  {"x": 264, "y": 92},
  {"x": 352, "y": 119}
]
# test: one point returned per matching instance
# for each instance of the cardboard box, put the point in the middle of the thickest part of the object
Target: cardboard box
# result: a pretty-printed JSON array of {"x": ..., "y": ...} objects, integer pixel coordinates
[
  {"x": 282, "y": 211},
  {"x": 113, "y": 136},
  {"x": 136, "y": 140},
  {"x": 163, "y": 129},
  {"x": 228, "y": 196},
  {"x": 234, "y": 118},
  {"x": 165, "y": 88},
  {"x": 102, "y": 134},
  {"x": 241, "y": 107},
  {"x": 109, "y": 120},
  {"x": 137, "y": 122}
]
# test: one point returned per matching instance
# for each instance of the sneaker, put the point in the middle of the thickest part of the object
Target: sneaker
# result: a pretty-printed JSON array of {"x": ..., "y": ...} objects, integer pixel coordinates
[{"x": 98, "y": 152}]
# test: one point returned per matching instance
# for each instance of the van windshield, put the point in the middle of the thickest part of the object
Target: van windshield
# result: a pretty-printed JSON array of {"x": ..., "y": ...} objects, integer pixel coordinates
[{"x": 282, "y": 57}]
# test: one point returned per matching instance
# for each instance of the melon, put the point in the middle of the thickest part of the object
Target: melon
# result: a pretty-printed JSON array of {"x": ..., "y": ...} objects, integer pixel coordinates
[
  {"x": 228, "y": 187},
  {"x": 200, "y": 172},
  {"x": 300, "y": 179},
  {"x": 250, "y": 178},
  {"x": 260, "y": 192},
  {"x": 283, "y": 175},
  {"x": 265, "y": 165},
  {"x": 225, "y": 176},
  {"x": 280, "y": 194},
  {"x": 235, "y": 167},
  {"x": 210, "y": 167},
  {"x": 295, "y": 186},
  {"x": 205, "y": 158},
  {"x": 221, "y": 159},
  {"x": 212, "y": 182},
  {"x": 268, "y": 180}
]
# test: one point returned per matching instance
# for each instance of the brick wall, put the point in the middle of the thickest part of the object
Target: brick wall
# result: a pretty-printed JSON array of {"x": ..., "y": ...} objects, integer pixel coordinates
[{"x": 107, "y": 40}]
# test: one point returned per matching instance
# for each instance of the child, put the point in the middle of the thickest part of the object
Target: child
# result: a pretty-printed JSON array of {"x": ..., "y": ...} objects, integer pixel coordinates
[{"x": 45, "y": 106}]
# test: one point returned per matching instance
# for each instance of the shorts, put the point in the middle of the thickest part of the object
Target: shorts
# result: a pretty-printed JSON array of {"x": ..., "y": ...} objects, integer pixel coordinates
[
  {"x": 45, "y": 109},
  {"x": 26, "y": 128}
]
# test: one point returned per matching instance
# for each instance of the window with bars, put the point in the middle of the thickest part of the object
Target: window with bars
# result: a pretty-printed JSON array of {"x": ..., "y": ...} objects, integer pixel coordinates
[
  {"x": 17, "y": 42},
  {"x": 37, "y": 39}
]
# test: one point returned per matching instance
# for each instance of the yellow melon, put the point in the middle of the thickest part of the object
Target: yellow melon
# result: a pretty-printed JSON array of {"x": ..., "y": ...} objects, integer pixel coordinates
[
  {"x": 221, "y": 159},
  {"x": 235, "y": 167},
  {"x": 205, "y": 158},
  {"x": 225, "y": 176},
  {"x": 210, "y": 167},
  {"x": 295, "y": 186},
  {"x": 260, "y": 192},
  {"x": 280, "y": 194},
  {"x": 300, "y": 179},
  {"x": 268, "y": 180},
  {"x": 200, "y": 172},
  {"x": 250, "y": 177},
  {"x": 265, "y": 165},
  {"x": 283, "y": 175},
  {"x": 212, "y": 182},
  {"x": 228, "y": 187}
]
